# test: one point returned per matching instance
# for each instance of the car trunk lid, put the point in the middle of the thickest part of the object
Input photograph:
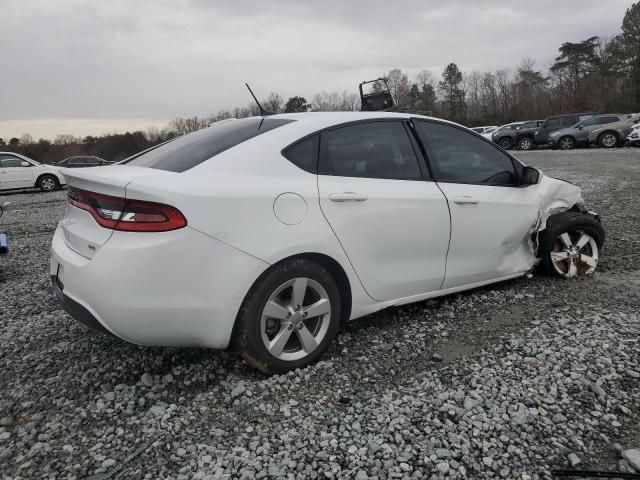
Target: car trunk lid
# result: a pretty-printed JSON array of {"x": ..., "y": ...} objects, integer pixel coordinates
[{"x": 81, "y": 231}]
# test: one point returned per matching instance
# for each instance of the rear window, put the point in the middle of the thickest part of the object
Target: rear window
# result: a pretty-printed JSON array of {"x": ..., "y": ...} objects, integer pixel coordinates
[
  {"x": 194, "y": 148},
  {"x": 304, "y": 154}
]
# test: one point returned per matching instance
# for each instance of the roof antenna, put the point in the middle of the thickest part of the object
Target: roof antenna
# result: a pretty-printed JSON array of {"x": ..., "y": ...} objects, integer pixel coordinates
[{"x": 263, "y": 112}]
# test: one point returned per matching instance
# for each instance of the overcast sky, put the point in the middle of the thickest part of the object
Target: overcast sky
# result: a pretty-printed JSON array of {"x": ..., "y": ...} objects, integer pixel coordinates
[{"x": 71, "y": 66}]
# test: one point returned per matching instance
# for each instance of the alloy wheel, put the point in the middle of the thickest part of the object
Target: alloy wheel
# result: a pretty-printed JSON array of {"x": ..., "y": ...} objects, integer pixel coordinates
[
  {"x": 295, "y": 319},
  {"x": 48, "y": 184},
  {"x": 525, "y": 144},
  {"x": 574, "y": 253},
  {"x": 566, "y": 143},
  {"x": 609, "y": 140}
]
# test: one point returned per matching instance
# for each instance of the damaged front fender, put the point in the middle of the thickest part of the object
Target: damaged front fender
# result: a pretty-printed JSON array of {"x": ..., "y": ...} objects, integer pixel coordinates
[{"x": 555, "y": 196}]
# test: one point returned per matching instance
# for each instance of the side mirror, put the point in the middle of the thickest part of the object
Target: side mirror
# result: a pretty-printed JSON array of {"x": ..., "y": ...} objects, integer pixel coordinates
[
  {"x": 580, "y": 127},
  {"x": 636, "y": 120},
  {"x": 530, "y": 176},
  {"x": 25, "y": 164}
]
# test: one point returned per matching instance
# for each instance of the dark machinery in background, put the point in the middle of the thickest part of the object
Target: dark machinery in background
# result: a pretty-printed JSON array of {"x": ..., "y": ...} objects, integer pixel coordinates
[{"x": 375, "y": 95}]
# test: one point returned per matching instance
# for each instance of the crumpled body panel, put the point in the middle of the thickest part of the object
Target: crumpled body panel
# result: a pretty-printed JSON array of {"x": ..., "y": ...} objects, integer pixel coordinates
[{"x": 555, "y": 196}]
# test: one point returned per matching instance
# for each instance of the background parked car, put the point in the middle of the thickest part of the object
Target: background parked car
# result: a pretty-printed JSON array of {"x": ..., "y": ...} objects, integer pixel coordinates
[
  {"x": 521, "y": 136},
  {"x": 487, "y": 133},
  {"x": 578, "y": 135},
  {"x": 80, "y": 161},
  {"x": 634, "y": 137},
  {"x": 557, "y": 122},
  {"x": 482, "y": 130},
  {"x": 613, "y": 134},
  {"x": 18, "y": 172},
  {"x": 502, "y": 135}
]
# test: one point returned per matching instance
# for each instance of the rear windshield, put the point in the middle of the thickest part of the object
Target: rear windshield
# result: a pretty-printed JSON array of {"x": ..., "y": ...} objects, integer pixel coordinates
[{"x": 194, "y": 148}]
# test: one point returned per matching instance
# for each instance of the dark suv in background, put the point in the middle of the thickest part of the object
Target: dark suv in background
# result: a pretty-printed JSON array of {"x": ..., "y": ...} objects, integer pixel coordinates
[
  {"x": 519, "y": 135},
  {"x": 557, "y": 122},
  {"x": 578, "y": 135},
  {"x": 503, "y": 135}
]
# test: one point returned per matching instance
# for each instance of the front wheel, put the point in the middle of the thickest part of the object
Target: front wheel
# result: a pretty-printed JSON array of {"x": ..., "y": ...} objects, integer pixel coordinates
[
  {"x": 525, "y": 143},
  {"x": 570, "y": 245},
  {"x": 567, "y": 143},
  {"x": 608, "y": 140},
  {"x": 505, "y": 143},
  {"x": 289, "y": 317},
  {"x": 48, "y": 183}
]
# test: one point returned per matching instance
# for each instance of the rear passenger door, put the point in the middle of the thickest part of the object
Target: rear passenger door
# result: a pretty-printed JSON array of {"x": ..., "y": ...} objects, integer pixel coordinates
[
  {"x": 492, "y": 216},
  {"x": 390, "y": 217}
]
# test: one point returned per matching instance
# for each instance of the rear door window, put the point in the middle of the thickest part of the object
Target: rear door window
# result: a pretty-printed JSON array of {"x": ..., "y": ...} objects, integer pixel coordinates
[
  {"x": 194, "y": 148},
  {"x": 370, "y": 150}
]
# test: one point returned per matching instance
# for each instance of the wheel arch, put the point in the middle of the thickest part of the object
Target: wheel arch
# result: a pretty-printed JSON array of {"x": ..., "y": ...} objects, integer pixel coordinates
[{"x": 330, "y": 264}]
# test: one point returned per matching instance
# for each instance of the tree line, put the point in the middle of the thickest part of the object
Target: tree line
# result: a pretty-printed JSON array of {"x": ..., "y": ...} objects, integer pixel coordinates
[{"x": 597, "y": 74}]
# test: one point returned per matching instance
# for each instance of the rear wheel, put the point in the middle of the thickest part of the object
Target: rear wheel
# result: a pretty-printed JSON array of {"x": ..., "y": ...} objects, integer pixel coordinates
[
  {"x": 505, "y": 143},
  {"x": 567, "y": 143},
  {"x": 48, "y": 183},
  {"x": 570, "y": 245},
  {"x": 525, "y": 143},
  {"x": 289, "y": 317},
  {"x": 608, "y": 140}
]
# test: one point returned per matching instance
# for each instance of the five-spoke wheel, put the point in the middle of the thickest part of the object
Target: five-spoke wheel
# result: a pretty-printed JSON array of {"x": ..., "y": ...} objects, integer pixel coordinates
[
  {"x": 574, "y": 253},
  {"x": 295, "y": 319},
  {"x": 571, "y": 243},
  {"x": 289, "y": 317}
]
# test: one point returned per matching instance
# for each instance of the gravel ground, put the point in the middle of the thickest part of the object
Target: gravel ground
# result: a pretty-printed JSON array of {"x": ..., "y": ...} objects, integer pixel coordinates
[{"x": 509, "y": 381}]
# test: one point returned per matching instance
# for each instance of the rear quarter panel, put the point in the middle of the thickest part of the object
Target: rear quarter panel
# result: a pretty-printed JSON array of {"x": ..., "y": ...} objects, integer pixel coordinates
[{"x": 231, "y": 198}]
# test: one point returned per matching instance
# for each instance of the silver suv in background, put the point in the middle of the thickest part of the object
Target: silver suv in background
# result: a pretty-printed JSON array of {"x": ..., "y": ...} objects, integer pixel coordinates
[
  {"x": 613, "y": 134},
  {"x": 578, "y": 134}
]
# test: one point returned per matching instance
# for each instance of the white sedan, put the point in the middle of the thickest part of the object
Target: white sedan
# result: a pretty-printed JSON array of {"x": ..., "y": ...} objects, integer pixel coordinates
[
  {"x": 20, "y": 172},
  {"x": 272, "y": 231}
]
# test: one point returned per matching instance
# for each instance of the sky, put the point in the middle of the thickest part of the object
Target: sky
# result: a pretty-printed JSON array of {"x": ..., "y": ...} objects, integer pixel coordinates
[{"x": 90, "y": 66}]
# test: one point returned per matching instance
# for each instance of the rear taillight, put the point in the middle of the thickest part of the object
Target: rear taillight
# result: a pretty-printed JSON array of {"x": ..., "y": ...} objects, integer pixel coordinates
[{"x": 128, "y": 215}]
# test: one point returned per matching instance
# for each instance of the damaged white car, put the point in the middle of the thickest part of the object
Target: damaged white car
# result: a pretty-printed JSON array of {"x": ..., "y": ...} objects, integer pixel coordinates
[{"x": 271, "y": 231}]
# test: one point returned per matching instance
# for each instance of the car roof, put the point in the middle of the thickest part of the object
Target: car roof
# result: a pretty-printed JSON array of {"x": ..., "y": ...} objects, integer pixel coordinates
[{"x": 327, "y": 119}]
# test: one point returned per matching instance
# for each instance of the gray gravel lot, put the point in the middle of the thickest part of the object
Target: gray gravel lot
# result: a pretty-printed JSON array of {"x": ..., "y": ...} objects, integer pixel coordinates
[{"x": 508, "y": 381}]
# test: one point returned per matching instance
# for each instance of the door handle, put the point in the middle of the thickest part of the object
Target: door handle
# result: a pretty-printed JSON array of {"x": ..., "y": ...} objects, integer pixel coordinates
[
  {"x": 347, "y": 197},
  {"x": 465, "y": 199}
]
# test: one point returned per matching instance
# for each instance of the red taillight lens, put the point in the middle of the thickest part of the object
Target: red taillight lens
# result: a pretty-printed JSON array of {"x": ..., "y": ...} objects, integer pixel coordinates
[{"x": 128, "y": 215}]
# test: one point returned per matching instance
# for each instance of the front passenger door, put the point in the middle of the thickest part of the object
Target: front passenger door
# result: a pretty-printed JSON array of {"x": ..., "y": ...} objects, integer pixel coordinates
[
  {"x": 492, "y": 217},
  {"x": 13, "y": 174}
]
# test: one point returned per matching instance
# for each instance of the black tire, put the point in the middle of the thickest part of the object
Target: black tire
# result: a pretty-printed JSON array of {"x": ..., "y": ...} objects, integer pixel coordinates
[
  {"x": 505, "y": 143},
  {"x": 47, "y": 183},
  {"x": 248, "y": 335},
  {"x": 608, "y": 140},
  {"x": 567, "y": 222},
  {"x": 526, "y": 143},
  {"x": 567, "y": 143}
]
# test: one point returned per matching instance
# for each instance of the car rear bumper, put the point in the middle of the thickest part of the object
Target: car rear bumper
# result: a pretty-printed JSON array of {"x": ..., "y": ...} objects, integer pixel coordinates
[{"x": 179, "y": 288}]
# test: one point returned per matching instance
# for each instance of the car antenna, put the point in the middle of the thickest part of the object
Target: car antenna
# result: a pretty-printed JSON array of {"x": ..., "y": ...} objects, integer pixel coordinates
[{"x": 263, "y": 112}]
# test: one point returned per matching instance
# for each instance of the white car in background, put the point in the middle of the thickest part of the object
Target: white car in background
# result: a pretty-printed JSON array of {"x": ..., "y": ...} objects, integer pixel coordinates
[
  {"x": 20, "y": 172},
  {"x": 633, "y": 139},
  {"x": 272, "y": 231},
  {"x": 483, "y": 130}
]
